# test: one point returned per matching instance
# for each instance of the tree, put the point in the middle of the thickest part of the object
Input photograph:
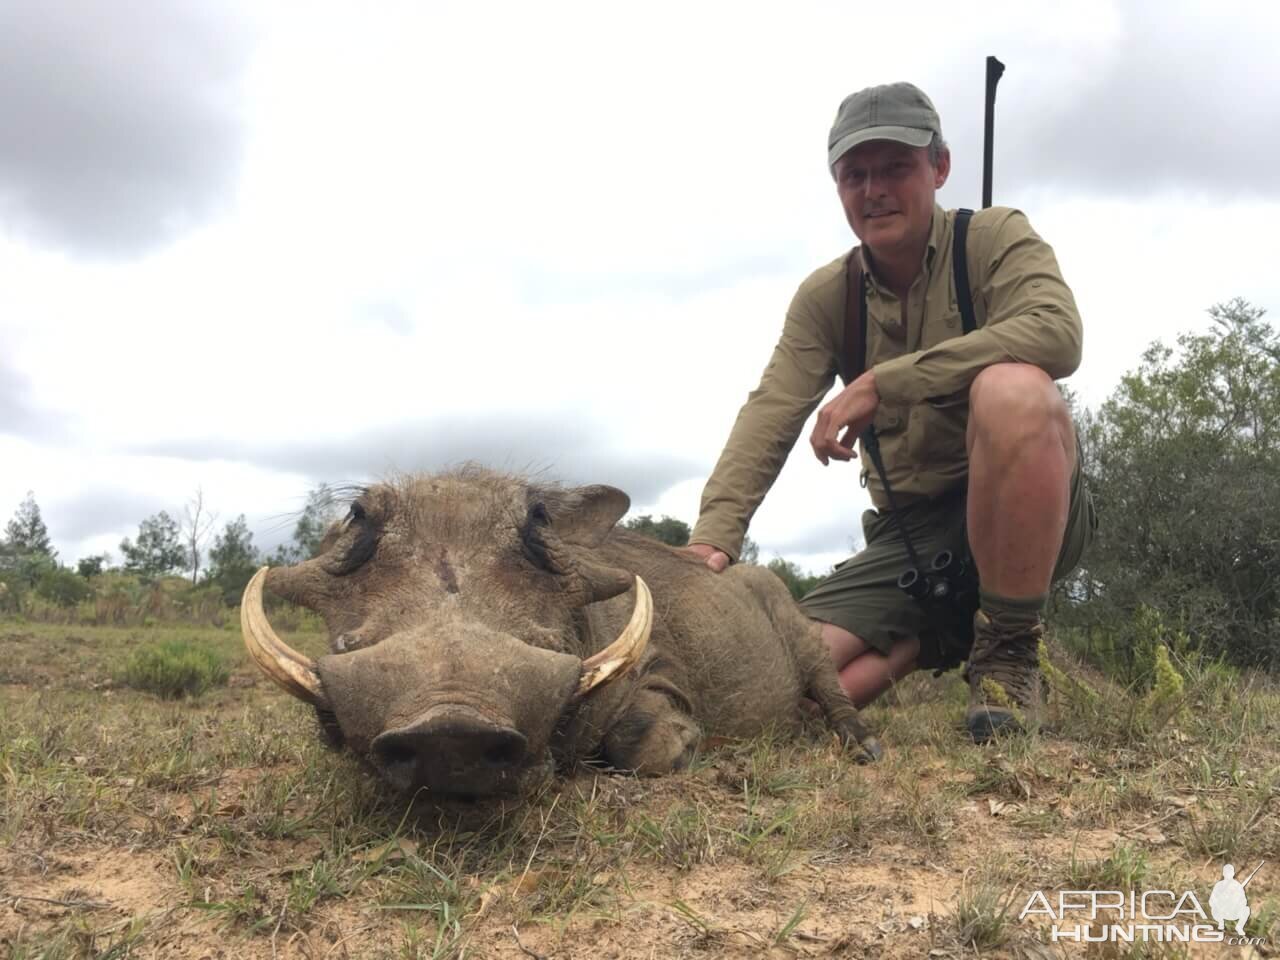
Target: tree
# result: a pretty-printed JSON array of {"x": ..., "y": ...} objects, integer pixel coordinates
[
  {"x": 233, "y": 559},
  {"x": 94, "y": 565},
  {"x": 26, "y": 532},
  {"x": 284, "y": 555},
  {"x": 197, "y": 521},
  {"x": 61, "y": 586},
  {"x": 676, "y": 533},
  {"x": 323, "y": 507},
  {"x": 1184, "y": 461},
  {"x": 798, "y": 582},
  {"x": 26, "y": 553},
  {"x": 669, "y": 530},
  {"x": 159, "y": 549}
]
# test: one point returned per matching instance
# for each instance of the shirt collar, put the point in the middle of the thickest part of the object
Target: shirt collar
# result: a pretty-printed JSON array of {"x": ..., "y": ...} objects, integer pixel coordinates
[{"x": 936, "y": 229}]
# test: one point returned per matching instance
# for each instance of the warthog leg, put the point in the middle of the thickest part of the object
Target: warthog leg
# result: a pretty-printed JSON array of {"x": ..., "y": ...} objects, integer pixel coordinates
[
  {"x": 841, "y": 714},
  {"x": 653, "y": 736}
]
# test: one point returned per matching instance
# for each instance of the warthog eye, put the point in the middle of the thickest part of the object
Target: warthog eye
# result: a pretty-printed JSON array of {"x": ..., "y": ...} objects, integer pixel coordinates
[
  {"x": 355, "y": 543},
  {"x": 533, "y": 544}
]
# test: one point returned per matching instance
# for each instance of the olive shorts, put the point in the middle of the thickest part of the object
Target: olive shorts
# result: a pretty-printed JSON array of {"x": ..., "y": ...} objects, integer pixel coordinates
[{"x": 862, "y": 595}]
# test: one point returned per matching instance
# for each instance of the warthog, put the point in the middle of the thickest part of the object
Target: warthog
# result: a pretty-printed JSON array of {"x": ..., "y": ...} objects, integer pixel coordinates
[{"x": 486, "y": 629}]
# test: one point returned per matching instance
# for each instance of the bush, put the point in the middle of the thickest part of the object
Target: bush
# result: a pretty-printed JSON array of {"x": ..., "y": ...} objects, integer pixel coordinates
[
  {"x": 173, "y": 668},
  {"x": 798, "y": 582},
  {"x": 62, "y": 587},
  {"x": 203, "y": 604}
]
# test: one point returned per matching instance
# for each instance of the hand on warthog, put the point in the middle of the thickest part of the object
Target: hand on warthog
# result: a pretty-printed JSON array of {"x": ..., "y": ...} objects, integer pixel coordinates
[{"x": 714, "y": 558}]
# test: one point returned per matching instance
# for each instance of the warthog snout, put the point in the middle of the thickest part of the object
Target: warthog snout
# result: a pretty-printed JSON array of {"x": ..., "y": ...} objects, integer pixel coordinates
[{"x": 452, "y": 748}]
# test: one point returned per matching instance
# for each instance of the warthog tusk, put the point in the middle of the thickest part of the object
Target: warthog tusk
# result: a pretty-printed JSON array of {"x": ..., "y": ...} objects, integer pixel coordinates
[
  {"x": 625, "y": 652},
  {"x": 283, "y": 665}
]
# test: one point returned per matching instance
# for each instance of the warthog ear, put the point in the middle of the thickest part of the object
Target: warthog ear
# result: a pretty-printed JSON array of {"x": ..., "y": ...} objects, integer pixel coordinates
[{"x": 586, "y": 514}]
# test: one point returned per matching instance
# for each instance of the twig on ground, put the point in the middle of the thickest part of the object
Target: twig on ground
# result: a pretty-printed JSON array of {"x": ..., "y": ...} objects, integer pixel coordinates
[
  {"x": 542, "y": 832},
  {"x": 810, "y": 937},
  {"x": 1152, "y": 823},
  {"x": 276, "y": 932},
  {"x": 14, "y": 899},
  {"x": 515, "y": 932}
]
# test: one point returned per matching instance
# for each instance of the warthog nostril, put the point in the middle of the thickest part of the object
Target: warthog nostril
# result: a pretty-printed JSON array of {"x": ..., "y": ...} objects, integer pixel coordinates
[
  {"x": 454, "y": 750},
  {"x": 394, "y": 752},
  {"x": 507, "y": 750}
]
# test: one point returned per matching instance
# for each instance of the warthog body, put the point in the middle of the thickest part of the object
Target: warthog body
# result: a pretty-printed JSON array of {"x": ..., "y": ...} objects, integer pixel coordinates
[{"x": 460, "y": 607}]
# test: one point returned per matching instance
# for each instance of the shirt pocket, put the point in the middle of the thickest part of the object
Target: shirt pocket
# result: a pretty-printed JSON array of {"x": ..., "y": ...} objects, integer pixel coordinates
[
  {"x": 890, "y": 421},
  {"x": 936, "y": 433}
]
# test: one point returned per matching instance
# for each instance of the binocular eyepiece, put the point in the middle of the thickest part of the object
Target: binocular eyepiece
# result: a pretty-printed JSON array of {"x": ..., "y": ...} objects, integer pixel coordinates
[{"x": 940, "y": 584}]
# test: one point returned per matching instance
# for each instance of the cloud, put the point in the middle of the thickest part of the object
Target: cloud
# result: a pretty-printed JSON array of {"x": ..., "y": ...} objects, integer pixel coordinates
[
  {"x": 540, "y": 286},
  {"x": 821, "y": 537},
  {"x": 97, "y": 510},
  {"x": 15, "y": 415},
  {"x": 389, "y": 314},
  {"x": 555, "y": 447},
  {"x": 1174, "y": 96},
  {"x": 120, "y": 121}
]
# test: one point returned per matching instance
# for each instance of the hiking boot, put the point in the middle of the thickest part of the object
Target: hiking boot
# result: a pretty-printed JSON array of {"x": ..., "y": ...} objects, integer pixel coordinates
[{"x": 1004, "y": 677}]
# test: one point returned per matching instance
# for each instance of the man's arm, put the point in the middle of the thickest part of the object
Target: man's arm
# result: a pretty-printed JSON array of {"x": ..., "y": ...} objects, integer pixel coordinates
[
  {"x": 1031, "y": 317},
  {"x": 798, "y": 375}
]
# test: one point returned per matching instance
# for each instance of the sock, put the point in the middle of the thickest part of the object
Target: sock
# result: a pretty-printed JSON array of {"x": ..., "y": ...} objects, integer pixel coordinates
[{"x": 1012, "y": 609}]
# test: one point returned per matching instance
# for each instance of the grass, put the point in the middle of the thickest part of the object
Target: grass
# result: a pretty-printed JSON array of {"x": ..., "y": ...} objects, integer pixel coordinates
[
  {"x": 222, "y": 821},
  {"x": 174, "y": 668},
  {"x": 983, "y": 915},
  {"x": 1125, "y": 868}
]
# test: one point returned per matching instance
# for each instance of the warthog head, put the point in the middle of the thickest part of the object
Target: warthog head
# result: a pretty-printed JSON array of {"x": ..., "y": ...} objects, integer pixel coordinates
[{"x": 455, "y": 612}]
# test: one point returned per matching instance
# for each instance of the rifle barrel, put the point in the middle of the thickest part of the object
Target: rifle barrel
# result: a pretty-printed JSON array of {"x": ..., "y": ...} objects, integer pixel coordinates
[
  {"x": 1250, "y": 876},
  {"x": 995, "y": 70}
]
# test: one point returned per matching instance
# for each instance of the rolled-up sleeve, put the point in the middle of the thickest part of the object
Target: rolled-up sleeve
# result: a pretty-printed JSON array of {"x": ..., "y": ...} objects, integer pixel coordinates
[{"x": 1031, "y": 317}]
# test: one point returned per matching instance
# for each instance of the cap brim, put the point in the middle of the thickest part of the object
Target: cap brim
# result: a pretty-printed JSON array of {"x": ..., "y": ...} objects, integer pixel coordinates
[{"x": 911, "y": 136}]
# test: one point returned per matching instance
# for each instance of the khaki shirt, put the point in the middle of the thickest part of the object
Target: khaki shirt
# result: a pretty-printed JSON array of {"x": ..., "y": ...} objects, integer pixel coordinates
[{"x": 1025, "y": 313}]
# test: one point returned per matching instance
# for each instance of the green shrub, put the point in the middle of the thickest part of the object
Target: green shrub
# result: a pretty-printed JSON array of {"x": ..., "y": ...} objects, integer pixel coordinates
[
  {"x": 173, "y": 668},
  {"x": 63, "y": 587},
  {"x": 203, "y": 604}
]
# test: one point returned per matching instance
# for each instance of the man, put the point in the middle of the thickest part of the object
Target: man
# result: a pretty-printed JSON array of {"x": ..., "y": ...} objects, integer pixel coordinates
[{"x": 977, "y": 444}]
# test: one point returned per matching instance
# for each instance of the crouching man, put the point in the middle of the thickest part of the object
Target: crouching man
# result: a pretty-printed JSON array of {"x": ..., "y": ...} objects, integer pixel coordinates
[{"x": 978, "y": 451}]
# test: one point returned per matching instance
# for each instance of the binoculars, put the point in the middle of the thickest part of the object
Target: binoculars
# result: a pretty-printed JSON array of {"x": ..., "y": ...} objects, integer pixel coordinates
[{"x": 947, "y": 580}]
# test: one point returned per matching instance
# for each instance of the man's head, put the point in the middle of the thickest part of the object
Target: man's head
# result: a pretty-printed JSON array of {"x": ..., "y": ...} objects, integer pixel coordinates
[{"x": 888, "y": 158}]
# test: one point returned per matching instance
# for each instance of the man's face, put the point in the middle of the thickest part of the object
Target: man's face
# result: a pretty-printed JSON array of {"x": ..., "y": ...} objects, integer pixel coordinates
[{"x": 887, "y": 190}]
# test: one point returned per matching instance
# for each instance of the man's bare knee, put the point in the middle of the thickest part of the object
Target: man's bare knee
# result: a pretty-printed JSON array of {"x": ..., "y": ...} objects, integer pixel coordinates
[
  {"x": 1010, "y": 402},
  {"x": 842, "y": 644}
]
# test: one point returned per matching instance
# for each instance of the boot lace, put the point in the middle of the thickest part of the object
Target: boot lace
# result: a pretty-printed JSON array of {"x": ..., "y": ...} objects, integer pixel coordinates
[{"x": 1008, "y": 653}]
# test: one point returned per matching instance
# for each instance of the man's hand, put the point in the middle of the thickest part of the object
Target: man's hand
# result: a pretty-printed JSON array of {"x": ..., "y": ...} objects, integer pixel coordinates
[
  {"x": 851, "y": 411},
  {"x": 716, "y": 559}
]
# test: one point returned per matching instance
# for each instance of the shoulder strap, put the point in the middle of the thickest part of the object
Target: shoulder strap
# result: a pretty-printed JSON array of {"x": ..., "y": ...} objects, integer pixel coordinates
[
  {"x": 960, "y": 264},
  {"x": 853, "y": 358}
]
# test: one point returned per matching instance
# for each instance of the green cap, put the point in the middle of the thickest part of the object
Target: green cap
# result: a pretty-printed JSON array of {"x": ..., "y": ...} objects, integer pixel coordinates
[{"x": 893, "y": 111}]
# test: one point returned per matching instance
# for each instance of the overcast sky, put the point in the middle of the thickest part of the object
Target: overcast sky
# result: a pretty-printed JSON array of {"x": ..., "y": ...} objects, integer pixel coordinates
[{"x": 253, "y": 249}]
